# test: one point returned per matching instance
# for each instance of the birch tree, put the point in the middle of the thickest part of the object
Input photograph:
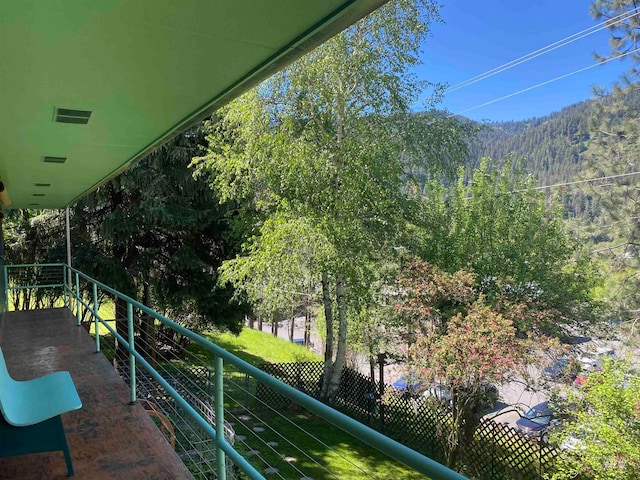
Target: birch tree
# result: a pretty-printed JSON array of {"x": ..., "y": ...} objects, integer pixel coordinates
[{"x": 322, "y": 150}]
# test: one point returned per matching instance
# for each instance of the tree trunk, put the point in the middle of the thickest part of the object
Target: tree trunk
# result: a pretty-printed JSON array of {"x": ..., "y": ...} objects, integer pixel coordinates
[
  {"x": 292, "y": 327},
  {"x": 341, "y": 352},
  {"x": 328, "y": 345},
  {"x": 307, "y": 324},
  {"x": 274, "y": 324}
]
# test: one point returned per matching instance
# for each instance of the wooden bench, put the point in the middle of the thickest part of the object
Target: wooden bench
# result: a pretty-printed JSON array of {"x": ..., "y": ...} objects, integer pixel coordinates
[{"x": 30, "y": 421}]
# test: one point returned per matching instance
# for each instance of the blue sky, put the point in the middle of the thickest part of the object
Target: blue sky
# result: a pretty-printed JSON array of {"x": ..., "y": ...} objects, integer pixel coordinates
[{"x": 481, "y": 35}]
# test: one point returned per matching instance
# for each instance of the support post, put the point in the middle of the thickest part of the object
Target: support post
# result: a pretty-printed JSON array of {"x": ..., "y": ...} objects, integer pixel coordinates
[
  {"x": 78, "y": 316},
  {"x": 381, "y": 360},
  {"x": 68, "y": 231},
  {"x": 221, "y": 469},
  {"x": 132, "y": 358},
  {"x": 65, "y": 293},
  {"x": 6, "y": 286},
  {"x": 5, "y": 290},
  {"x": 96, "y": 324}
]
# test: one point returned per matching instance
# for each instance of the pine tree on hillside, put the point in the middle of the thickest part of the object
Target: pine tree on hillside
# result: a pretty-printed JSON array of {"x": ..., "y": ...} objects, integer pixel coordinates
[{"x": 614, "y": 151}]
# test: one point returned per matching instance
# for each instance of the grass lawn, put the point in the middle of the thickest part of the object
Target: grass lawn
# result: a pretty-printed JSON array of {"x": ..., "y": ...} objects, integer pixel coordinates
[
  {"x": 333, "y": 452},
  {"x": 256, "y": 347}
]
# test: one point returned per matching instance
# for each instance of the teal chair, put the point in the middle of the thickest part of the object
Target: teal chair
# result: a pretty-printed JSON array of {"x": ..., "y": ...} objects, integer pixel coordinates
[{"x": 31, "y": 412}]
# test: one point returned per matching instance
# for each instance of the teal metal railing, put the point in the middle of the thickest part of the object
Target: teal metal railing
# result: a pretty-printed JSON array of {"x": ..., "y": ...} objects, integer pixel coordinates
[{"x": 77, "y": 300}]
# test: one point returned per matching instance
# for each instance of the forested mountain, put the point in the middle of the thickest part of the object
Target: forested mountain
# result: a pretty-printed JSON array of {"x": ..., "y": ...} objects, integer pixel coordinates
[{"x": 551, "y": 148}]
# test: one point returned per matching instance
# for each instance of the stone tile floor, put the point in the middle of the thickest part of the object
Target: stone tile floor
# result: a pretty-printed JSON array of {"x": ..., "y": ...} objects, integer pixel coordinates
[{"x": 107, "y": 437}]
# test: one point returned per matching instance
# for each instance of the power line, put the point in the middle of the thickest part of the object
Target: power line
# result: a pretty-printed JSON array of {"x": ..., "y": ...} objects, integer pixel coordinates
[
  {"x": 541, "y": 51},
  {"x": 588, "y": 180},
  {"x": 542, "y": 84}
]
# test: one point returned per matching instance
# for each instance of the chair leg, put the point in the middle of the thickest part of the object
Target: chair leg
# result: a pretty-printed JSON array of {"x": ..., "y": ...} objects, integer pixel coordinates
[{"x": 65, "y": 448}]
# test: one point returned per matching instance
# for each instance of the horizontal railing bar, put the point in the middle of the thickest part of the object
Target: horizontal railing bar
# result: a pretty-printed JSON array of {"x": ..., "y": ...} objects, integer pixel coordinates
[
  {"x": 242, "y": 463},
  {"x": 394, "y": 449},
  {"x": 23, "y": 265},
  {"x": 386, "y": 445},
  {"x": 51, "y": 285}
]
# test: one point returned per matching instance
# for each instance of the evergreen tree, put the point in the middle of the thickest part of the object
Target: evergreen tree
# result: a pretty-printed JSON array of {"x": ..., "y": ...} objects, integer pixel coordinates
[
  {"x": 614, "y": 152},
  {"x": 156, "y": 234}
]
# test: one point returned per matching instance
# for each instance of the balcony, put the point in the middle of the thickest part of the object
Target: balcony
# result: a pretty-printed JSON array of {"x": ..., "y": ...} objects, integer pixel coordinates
[{"x": 149, "y": 411}]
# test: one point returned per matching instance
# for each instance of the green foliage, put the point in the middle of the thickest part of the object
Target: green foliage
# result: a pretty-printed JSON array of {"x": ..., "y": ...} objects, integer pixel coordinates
[
  {"x": 604, "y": 438},
  {"x": 454, "y": 337},
  {"x": 624, "y": 31},
  {"x": 502, "y": 229},
  {"x": 33, "y": 236},
  {"x": 323, "y": 151},
  {"x": 550, "y": 147},
  {"x": 614, "y": 151},
  {"x": 156, "y": 234}
]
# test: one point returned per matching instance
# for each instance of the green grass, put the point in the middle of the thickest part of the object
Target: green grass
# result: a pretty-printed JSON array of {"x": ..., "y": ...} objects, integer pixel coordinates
[
  {"x": 257, "y": 347},
  {"x": 340, "y": 453}
]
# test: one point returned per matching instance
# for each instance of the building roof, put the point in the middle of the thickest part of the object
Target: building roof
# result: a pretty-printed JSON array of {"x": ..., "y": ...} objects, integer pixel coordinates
[{"x": 88, "y": 87}]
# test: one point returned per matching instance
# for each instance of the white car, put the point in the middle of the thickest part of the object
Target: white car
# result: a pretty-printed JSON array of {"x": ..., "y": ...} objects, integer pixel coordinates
[
  {"x": 439, "y": 391},
  {"x": 592, "y": 360}
]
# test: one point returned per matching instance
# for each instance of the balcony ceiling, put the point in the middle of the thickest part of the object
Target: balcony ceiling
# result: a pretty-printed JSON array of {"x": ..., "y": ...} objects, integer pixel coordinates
[{"x": 145, "y": 69}]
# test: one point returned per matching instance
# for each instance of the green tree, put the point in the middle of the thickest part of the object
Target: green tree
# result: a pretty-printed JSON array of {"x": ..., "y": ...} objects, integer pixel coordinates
[
  {"x": 323, "y": 150},
  {"x": 624, "y": 27},
  {"x": 498, "y": 226},
  {"x": 33, "y": 236},
  {"x": 156, "y": 234},
  {"x": 604, "y": 437},
  {"x": 613, "y": 152},
  {"x": 456, "y": 338}
]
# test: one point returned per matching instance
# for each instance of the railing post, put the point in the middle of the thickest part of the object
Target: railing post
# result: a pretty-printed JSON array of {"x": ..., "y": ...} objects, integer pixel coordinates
[
  {"x": 219, "y": 410},
  {"x": 6, "y": 285},
  {"x": 64, "y": 288},
  {"x": 78, "y": 316},
  {"x": 132, "y": 358},
  {"x": 96, "y": 324}
]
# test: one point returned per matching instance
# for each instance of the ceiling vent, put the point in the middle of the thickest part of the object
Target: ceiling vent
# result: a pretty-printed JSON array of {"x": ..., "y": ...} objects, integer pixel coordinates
[
  {"x": 48, "y": 159},
  {"x": 42, "y": 184},
  {"x": 67, "y": 115},
  {"x": 38, "y": 194}
]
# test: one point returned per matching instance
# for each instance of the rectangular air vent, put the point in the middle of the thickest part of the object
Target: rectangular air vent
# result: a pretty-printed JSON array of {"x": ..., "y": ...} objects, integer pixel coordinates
[
  {"x": 42, "y": 184},
  {"x": 38, "y": 194},
  {"x": 67, "y": 115},
  {"x": 48, "y": 159}
]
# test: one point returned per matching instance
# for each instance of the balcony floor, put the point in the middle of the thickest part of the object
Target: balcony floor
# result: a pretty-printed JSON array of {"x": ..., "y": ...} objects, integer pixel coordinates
[{"x": 107, "y": 437}]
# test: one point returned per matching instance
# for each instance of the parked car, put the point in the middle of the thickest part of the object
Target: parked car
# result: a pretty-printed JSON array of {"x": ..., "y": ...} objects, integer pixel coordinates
[
  {"x": 411, "y": 384},
  {"x": 592, "y": 360},
  {"x": 440, "y": 391},
  {"x": 539, "y": 419},
  {"x": 489, "y": 394},
  {"x": 561, "y": 369}
]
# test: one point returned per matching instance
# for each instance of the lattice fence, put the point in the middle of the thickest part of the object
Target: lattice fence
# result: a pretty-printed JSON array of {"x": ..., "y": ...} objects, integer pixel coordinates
[
  {"x": 304, "y": 376},
  {"x": 498, "y": 452}
]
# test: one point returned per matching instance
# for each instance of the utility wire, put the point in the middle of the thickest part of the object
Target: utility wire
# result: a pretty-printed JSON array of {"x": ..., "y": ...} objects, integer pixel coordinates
[
  {"x": 549, "y": 48},
  {"x": 541, "y": 84},
  {"x": 588, "y": 180}
]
